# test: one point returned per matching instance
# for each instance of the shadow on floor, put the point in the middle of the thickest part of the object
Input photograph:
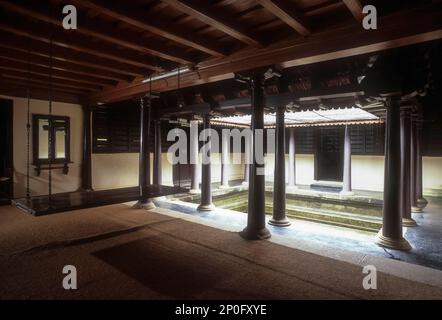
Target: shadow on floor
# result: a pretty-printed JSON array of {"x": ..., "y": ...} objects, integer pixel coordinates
[{"x": 179, "y": 273}]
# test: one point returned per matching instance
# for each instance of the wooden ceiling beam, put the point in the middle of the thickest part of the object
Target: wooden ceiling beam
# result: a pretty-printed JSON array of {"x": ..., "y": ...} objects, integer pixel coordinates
[
  {"x": 75, "y": 41},
  {"x": 152, "y": 24},
  {"x": 101, "y": 68},
  {"x": 355, "y": 8},
  {"x": 40, "y": 85},
  {"x": 21, "y": 90},
  {"x": 10, "y": 64},
  {"x": 399, "y": 29},
  {"x": 199, "y": 9},
  {"x": 106, "y": 32},
  {"x": 286, "y": 13},
  {"x": 23, "y": 75}
]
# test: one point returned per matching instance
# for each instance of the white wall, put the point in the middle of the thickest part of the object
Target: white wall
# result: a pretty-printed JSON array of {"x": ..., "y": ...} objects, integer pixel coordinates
[
  {"x": 432, "y": 176},
  {"x": 119, "y": 170},
  {"x": 305, "y": 168},
  {"x": 367, "y": 173},
  {"x": 60, "y": 182}
]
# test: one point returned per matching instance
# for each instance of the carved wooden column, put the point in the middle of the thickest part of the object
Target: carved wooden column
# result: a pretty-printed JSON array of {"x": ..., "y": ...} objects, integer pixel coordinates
[
  {"x": 413, "y": 158},
  {"x": 247, "y": 160},
  {"x": 144, "y": 158},
  {"x": 292, "y": 160},
  {"x": 206, "y": 178},
  {"x": 407, "y": 220},
  {"x": 279, "y": 216},
  {"x": 420, "y": 200},
  {"x": 346, "y": 184},
  {"x": 157, "y": 166},
  {"x": 225, "y": 136},
  {"x": 194, "y": 154},
  {"x": 86, "y": 168},
  {"x": 256, "y": 225},
  {"x": 390, "y": 235}
]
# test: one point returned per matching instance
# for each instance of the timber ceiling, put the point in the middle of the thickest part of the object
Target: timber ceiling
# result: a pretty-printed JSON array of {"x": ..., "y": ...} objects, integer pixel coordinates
[{"x": 119, "y": 43}]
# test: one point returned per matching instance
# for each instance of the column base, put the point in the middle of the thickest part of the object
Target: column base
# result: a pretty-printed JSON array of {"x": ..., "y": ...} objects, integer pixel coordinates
[
  {"x": 194, "y": 191},
  {"x": 408, "y": 222},
  {"x": 223, "y": 186},
  {"x": 346, "y": 193},
  {"x": 146, "y": 205},
  {"x": 416, "y": 210},
  {"x": 422, "y": 203},
  {"x": 254, "y": 234},
  {"x": 387, "y": 242},
  {"x": 206, "y": 207},
  {"x": 279, "y": 222}
]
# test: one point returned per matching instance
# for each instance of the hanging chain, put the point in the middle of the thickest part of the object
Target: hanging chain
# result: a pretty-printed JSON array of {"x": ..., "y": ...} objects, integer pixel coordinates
[
  {"x": 28, "y": 132},
  {"x": 179, "y": 164},
  {"x": 50, "y": 122}
]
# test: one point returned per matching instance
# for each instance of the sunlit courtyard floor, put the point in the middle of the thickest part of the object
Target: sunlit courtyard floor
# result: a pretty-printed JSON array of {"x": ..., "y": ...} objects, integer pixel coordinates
[{"x": 426, "y": 238}]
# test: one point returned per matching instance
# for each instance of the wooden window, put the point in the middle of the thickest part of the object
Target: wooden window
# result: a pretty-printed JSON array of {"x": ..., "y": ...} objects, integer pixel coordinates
[
  {"x": 367, "y": 139},
  {"x": 50, "y": 133}
]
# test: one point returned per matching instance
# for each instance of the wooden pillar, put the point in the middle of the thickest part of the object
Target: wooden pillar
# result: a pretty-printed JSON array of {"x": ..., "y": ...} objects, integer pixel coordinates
[
  {"x": 247, "y": 160},
  {"x": 206, "y": 178},
  {"x": 346, "y": 181},
  {"x": 144, "y": 157},
  {"x": 256, "y": 225},
  {"x": 194, "y": 154},
  {"x": 420, "y": 200},
  {"x": 292, "y": 160},
  {"x": 407, "y": 220},
  {"x": 279, "y": 197},
  {"x": 225, "y": 159},
  {"x": 157, "y": 166},
  {"x": 86, "y": 168},
  {"x": 413, "y": 158},
  {"x": 390, "y": 235}
]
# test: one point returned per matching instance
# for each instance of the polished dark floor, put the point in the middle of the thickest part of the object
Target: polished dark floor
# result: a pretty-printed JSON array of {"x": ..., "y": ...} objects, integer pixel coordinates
[{"x": 60, "y": 202}]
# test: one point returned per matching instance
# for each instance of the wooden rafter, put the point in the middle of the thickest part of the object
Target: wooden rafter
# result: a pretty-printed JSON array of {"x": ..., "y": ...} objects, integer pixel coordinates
[
  {"x": 355, "y": 8},
  {"x": 36, "y": 92},
  {"x": 286, "y": 13},
  {"x": 101, "y": 68},
  {"x": 103, "y": 32},
  {"x": 19, "y": 61},
  {"x": 399, "y": 29},
  {"x": 41, "y": 85},
  {"x": 202, "y": 11},
  {"x": 75, "y": 41},
  {"x": 23, "y": 75},
  {"x": 135, "y": 17}
]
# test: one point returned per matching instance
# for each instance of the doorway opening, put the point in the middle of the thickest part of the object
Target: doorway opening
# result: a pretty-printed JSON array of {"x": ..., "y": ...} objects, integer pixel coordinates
[{"x": 329, "y": 154}]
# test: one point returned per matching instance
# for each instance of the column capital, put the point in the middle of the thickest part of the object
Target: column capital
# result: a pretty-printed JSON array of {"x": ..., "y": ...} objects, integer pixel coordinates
[
  {"x": 392, "y": 101},
  {"x": 406, "y": 111}
]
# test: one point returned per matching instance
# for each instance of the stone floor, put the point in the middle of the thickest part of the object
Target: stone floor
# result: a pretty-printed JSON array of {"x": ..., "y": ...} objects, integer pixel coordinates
[
  {"x": 125, "y": 253},
  {"x": 426, "y": 239}
]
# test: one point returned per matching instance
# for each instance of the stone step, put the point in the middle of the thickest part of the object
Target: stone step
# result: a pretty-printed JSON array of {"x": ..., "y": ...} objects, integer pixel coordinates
[{"x": 343, "y": 219}]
